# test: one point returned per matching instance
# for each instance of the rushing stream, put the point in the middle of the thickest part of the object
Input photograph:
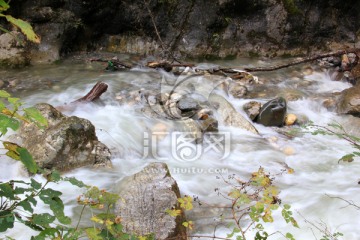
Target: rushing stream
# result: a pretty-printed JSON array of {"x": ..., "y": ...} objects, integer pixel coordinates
[{"x": 121, "y": 126}]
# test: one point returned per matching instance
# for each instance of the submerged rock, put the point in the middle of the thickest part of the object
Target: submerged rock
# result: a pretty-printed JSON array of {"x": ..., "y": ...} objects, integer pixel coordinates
[
  {"x": 272, "y": 113},
  {"x": 67, "y": 142},
  {"x": 146, "y": 196}
]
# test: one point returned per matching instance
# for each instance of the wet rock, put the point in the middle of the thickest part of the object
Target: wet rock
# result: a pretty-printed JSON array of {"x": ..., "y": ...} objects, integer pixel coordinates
[
  {"x": 272, "y": 113},
  {"x": 204, "y": 114},
  {"x": 349, "y": 101},
  {"x": 191, "y": 127},
  {"x": 355, "y": 74},
  {"x": 210, "y": 124},
  {"x": 188, "y": 106},
  {"x": 145, "y": 197},
  {"x": 252, "y": 109},
  {"x": 229, "y": 115},
  {"x": 56, "y": 36},
  {"x": 290, "y": 119},
  {"x": 237, "y": 90},
  {"x": 345, "y": 63},
  {"x": 67, "y": 142},
  {"x": 330, "y": 62},
  {"x": 12, "y": 53},
  {"x": 329, "y": 103}
]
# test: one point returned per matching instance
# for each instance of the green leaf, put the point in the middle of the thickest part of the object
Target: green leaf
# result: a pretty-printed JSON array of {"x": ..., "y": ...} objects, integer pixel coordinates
[
  {"x": 55, "y": 176},
  {"x": 347, "y": 158},
  {"x": 4, "y": 94},
  {"x": 51, "y": 197},
  {"x": 57, "y": 206},
  {"x": 25, "y": 204},
  {"x": 27, "y": 160},
  {"x": 261, "y": 236},
  {"x": 75, "y": 182},
  {"x": 35, "y": 184},
  {"x": 8, "y": 122},
  {"x": 234, "y": 231},
  {"x": 25, "y": 28},
  {"x": 93, "y": 233},
  {"x": 2, "y": 106},
  {"x": 3, "y": 6},
  {"x": 20, "y": 190},
  {"x": 289, "y": 236},
  {"x": 287, "y": 206},
  {"x": 46, "y": 233},
  {"x": 35, "y": 115},
  {"x": 43, "y": 219},
  {"x": 14, "y": 101},
  {"x": 104, "y": 216},
  {"x": 6, "y": 220},
  {"x": 32, "y": 201},
  {"x": 48, "y": 194},
  {"x": 7, "y": 191}
]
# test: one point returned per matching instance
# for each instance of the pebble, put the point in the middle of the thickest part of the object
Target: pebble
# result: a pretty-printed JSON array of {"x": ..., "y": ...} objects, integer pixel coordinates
[
  {"x": 290, "y": 119},
  {"x": 288, "y": 151}
]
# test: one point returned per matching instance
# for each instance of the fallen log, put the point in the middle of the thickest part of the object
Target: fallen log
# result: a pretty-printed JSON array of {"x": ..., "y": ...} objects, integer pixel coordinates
[
  {"x": 304, "y": 60},
  {"x": 94, "y": 93}
]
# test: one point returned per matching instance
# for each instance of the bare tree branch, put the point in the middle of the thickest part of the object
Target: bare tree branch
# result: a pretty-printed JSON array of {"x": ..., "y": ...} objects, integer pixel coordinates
[{"x": 303, "y": 60}]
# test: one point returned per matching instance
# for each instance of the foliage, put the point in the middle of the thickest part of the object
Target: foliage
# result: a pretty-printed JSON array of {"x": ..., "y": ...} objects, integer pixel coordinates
[
  {"x": 24, "y": 26},
  {"x": 337, "y": 130},
  {"x": 184, "y": 204},
  {"x": 18, "y": 198},
  {"x": 252, "y": 203},
  {"x": 256, "y": 198}
]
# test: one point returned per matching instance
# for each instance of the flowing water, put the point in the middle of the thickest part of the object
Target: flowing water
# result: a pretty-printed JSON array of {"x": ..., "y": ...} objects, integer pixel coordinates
[{"x": 121, "y": 126}]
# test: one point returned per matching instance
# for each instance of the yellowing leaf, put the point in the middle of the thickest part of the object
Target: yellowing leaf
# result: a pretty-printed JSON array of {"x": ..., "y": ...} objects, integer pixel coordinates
[
  {"x": 235, "y": 193},
  {"x": 188, "y": 224},
  {"x": 186, "y": 202},
  {"x": 173, "y": 212},
  {"x": 25, "y": 28},
  {"x": 97, "y": 220}
]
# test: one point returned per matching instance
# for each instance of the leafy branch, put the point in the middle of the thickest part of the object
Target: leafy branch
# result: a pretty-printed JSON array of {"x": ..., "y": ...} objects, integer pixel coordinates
[{"x": 24, "y": 26}]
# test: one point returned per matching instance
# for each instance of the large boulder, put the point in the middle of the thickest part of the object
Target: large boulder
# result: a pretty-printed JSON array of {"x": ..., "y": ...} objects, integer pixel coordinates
[
  {"x": 349, "y": 101},
  {"x": 67, "y": 142},
  {"x": 12, "y": 52},
  {"x": 146, "y": 196},
  {"x": 273, "y": 113}
]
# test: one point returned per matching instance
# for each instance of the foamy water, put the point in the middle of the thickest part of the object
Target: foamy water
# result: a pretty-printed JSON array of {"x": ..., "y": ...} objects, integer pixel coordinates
[{"x": 122, "y": 128}]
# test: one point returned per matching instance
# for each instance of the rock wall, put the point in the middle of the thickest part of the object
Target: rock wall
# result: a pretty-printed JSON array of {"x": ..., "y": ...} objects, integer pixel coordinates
[{"x": 191, "y": 28}]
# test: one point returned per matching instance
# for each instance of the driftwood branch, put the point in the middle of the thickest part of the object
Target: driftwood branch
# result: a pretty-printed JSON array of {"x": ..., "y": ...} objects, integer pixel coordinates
[
  {"x": 304, "y": 60},
  {"x": 94, "y": 93}
]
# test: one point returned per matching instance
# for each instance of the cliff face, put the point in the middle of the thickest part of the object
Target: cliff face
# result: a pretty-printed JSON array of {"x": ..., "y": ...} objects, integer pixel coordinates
[{"x": 193, "y": 28}]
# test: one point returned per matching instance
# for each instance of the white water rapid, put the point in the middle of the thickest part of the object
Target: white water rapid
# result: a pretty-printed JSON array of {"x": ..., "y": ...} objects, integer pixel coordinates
[{"x": 121, "y": 127}]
